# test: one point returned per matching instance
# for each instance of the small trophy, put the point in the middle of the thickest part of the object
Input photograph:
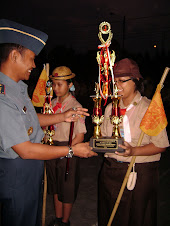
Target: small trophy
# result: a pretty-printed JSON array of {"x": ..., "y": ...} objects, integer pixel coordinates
[
  {"x": 115, "y": 119},
  {"x": 97, "y": 117},
  {"x": 47, "y": 109}
]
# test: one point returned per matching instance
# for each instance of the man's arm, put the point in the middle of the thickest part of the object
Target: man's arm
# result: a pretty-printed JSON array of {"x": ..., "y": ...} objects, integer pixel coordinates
[
  {"x": 67, "y": 116},
  {"x": 28, "y": 150}
]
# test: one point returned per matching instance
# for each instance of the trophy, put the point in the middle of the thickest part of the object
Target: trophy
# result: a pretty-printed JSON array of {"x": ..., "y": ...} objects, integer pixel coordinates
[
  {"x": 97, "y": 117},
  {"x": 47, "y": 109},
  {"x": 106, "y": 62}
]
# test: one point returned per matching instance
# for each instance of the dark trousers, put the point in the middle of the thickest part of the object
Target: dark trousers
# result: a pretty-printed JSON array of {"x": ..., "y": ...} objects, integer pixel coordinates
[
  {"x": 137, "y": 207},
  {"x": 21, "y": 191},
  {"x": 66, "y": 189}
]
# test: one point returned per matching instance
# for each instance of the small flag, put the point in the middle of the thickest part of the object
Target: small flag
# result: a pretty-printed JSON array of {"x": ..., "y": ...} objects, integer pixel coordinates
[
  {"x": 39, "y": 94},
  {"x": 154, "y": 120}
]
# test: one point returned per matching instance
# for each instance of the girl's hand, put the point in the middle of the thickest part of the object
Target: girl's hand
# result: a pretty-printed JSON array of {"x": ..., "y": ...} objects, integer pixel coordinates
[{"x": 128, "y": 150}]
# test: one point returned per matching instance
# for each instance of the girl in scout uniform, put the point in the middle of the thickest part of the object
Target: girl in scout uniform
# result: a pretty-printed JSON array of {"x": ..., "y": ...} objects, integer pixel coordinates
[
  {"x": 64, "y": 189},
  {"x": 138, "y": 205}
]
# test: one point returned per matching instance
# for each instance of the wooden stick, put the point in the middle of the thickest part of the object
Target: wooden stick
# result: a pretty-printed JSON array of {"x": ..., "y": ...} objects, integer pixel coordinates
[
  {"x": 132, "y": 162},
  {"x": 47, "y": 69},
  {"x": 45, "y": 175},
  {"x": 164, "y": 75},
  {"x": 44, "y": 196}
]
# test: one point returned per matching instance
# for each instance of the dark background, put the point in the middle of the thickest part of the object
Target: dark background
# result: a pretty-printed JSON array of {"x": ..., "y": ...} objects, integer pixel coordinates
[{"x": 73, "y": 27}]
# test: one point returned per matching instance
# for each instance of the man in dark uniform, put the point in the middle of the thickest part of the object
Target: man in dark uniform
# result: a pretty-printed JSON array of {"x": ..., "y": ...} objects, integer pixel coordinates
[{"x": 21, "y": 154}]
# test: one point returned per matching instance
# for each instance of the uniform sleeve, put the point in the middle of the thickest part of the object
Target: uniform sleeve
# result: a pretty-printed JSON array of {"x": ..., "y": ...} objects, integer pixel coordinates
[
  {"x": 161, "y": 140},
  {"x": 12, "y": 130}
]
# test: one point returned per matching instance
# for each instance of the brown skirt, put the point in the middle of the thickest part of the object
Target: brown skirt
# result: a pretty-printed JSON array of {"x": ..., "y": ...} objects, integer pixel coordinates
[{"x": 58, "y": 183}]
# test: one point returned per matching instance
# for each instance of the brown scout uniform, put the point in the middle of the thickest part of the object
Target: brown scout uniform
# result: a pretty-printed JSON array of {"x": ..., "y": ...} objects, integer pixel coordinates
[
  {"x": 138, "y": 206},
  {"x": 66, "y": 189}
]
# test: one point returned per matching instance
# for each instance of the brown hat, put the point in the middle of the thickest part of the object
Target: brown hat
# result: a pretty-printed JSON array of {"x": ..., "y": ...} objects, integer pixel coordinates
[
  {"x": 62, "y": 73},
  {"x": 126, "y": 67}
]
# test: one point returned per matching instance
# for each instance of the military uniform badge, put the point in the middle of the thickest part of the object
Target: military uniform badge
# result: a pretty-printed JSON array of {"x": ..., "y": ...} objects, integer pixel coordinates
[
  {"x": 30, "y": 131},
  {"x": 2, "y": 89}
]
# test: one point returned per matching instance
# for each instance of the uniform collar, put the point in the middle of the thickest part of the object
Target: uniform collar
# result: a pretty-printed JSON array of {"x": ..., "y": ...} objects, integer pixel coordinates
[
  {"x": 66, "y": 100},
  {"x": 134, "y": 102}
]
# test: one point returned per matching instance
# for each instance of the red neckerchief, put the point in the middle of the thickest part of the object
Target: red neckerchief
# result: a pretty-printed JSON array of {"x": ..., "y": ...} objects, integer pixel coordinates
[
  {"x": 57, "y": 106},
  {"x": 122, "y": 111}
]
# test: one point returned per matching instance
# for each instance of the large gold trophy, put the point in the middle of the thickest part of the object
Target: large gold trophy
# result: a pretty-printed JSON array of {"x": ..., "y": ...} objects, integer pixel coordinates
[{"x": 103, "y": 91}]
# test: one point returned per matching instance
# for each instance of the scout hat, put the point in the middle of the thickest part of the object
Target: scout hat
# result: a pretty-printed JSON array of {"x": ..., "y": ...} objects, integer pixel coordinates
[
  {"x": 62, "y": 73},
  {"x": 126, "y": 67},
  {"x": 30, "y": 38}
]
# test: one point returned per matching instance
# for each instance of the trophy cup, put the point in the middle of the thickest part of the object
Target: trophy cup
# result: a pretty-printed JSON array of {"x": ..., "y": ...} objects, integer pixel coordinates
[
  {"x": 97, "y": 117},
  {"x": 115, "y": 119},
  {"x": 106, "y": 144},
  {"x": 47, "y": 109},
  {"x": 106, "y": 62}
]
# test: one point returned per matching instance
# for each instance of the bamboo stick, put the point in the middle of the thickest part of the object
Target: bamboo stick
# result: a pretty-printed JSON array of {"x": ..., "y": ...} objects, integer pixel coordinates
[
  {"x": 44, "y": 195},
  {"x": 45, "y": 176},
  {"x": 132, "y": 162}
]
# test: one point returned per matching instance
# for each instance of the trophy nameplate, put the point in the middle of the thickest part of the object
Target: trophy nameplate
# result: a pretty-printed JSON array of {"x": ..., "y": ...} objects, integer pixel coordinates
[{"x": 106, "y": 144}]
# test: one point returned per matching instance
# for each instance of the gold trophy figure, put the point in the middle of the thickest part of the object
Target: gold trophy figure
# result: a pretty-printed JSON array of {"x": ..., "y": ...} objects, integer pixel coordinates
[
  {"x": 49, "y": 130},
  {"x": 115, "y": 119},
  {"x": 97, "y": 117}
]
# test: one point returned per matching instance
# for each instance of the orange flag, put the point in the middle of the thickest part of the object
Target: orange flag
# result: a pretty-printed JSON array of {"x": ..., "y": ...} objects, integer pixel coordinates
[
  {"x": 38, "y": 97},
  {"x": 154, "y": 120}
]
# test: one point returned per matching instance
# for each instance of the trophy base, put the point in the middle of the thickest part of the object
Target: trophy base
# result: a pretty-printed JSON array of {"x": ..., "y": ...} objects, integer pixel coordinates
[{"x": 106, "y": 144}]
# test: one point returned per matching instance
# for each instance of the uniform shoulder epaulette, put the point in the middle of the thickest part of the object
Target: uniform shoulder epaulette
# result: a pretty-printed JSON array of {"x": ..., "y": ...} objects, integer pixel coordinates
[{"x": 2, "y": 89}]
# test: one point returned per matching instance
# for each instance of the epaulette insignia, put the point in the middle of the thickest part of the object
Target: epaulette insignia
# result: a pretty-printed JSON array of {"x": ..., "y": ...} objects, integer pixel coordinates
[{"x": 2, "y": 89}]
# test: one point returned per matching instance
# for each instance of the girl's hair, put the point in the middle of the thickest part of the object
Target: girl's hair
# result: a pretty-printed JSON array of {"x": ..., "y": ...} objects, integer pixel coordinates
[
  {"x": 71, "y": 81},
  {"x": 6, "y": 48},
  {"x": 139, "y": 84}
]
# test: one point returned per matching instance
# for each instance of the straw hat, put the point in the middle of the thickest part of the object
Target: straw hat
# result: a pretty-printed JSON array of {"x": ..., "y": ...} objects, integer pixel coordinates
[{"x": 62, "y": 73}]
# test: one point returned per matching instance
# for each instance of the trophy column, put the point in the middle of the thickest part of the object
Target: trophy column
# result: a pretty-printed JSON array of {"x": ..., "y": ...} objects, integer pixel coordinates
[{"x": 106, "y": 62}]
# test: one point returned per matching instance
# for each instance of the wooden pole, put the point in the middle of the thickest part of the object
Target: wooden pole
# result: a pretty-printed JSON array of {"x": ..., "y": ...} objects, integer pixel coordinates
[
  {"x": 44, "y": 195},
  {"x": 45, "y": 176},
  {"x": 132, "y": 162}
]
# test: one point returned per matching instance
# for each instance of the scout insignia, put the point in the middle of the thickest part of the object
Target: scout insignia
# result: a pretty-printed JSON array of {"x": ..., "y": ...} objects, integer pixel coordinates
[
  {"x": 2, "y": 89},
  {"x": 30, "y": 131}
]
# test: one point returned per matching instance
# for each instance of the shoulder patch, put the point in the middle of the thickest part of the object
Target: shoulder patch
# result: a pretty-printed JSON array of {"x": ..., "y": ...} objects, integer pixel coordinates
[{"x": 2, "y": 89}]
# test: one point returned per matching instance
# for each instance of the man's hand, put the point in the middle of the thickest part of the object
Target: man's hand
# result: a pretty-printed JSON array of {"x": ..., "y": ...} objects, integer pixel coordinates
[
  {"x": 128, "y": 150},
  {"x": 73, "y": 115},
  {"x": 83, "y": 150}
]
